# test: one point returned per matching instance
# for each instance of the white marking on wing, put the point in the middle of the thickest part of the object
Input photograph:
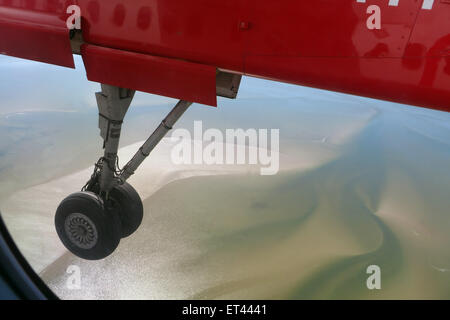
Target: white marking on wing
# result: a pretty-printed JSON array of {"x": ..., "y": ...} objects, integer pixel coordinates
[
  {"x": 427, "y": 4},
  {"x": 393, "y": 3}
]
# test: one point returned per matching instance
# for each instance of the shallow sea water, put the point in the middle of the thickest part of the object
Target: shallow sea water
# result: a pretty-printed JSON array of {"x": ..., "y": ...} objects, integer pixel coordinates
[{"x": 366, "y": 183}]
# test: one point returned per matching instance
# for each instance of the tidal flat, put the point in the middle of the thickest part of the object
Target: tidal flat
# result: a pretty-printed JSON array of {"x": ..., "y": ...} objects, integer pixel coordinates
[{"x": 361, "y": 182}]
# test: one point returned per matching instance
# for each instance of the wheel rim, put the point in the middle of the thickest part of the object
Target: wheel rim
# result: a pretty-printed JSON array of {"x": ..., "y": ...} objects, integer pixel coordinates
[{"x": 81, "y": 231}]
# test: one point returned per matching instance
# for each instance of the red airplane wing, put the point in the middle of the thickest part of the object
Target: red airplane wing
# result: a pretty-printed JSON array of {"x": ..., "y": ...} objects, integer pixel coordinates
[
  {"x": 172, "y": 47},
  {"x": 39, "y": 35}
]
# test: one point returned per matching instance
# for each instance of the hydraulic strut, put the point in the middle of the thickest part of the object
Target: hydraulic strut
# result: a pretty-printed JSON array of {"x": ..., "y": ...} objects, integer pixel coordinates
[
  {"x": 154, "y": 139},
  {"x": 113, "y": 103}
]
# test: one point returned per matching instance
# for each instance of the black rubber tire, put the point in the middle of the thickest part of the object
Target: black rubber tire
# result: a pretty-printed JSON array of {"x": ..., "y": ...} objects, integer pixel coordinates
[
  {"x": 130, "y": 208},
  {"x": 101, "y": 225}
]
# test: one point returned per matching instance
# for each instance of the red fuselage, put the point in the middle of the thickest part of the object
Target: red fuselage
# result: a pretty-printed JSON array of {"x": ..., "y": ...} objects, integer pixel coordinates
[{"x": 174, "y": 47}]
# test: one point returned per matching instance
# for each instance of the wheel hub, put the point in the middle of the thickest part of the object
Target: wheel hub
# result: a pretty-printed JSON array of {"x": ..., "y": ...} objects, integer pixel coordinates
[{"x": 81, "y": 230}]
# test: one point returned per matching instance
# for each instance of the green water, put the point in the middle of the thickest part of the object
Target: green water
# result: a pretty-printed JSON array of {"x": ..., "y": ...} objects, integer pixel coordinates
[
  {"x": 301, "y": 234},
  {"x": 308, "y": 235},
  {"x": 382, "y": 200}
]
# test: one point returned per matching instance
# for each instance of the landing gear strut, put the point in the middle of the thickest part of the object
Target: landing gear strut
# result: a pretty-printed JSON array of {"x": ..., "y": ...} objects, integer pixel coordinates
[{"x": 91, "y": 223}]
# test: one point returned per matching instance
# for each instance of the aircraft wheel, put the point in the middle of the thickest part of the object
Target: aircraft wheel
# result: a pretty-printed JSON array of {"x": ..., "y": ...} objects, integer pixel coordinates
[
  {"x": 129, "y": 206},
  {"x": 85, "y": 228}
]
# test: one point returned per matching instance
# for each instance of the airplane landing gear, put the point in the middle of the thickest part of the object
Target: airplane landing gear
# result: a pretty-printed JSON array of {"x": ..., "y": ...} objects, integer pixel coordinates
[
  {"x": 91, "y": 223},
  {"x": 86, "y": 227},
  {"x": 91, "y": 227},
  {"x": 129, "y": 205}
]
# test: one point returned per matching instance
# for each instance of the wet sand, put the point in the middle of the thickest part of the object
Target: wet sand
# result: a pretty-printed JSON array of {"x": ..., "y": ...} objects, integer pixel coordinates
[
  {"x": 303, "y": 234},
  {"x": 362, "y": 182}
]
